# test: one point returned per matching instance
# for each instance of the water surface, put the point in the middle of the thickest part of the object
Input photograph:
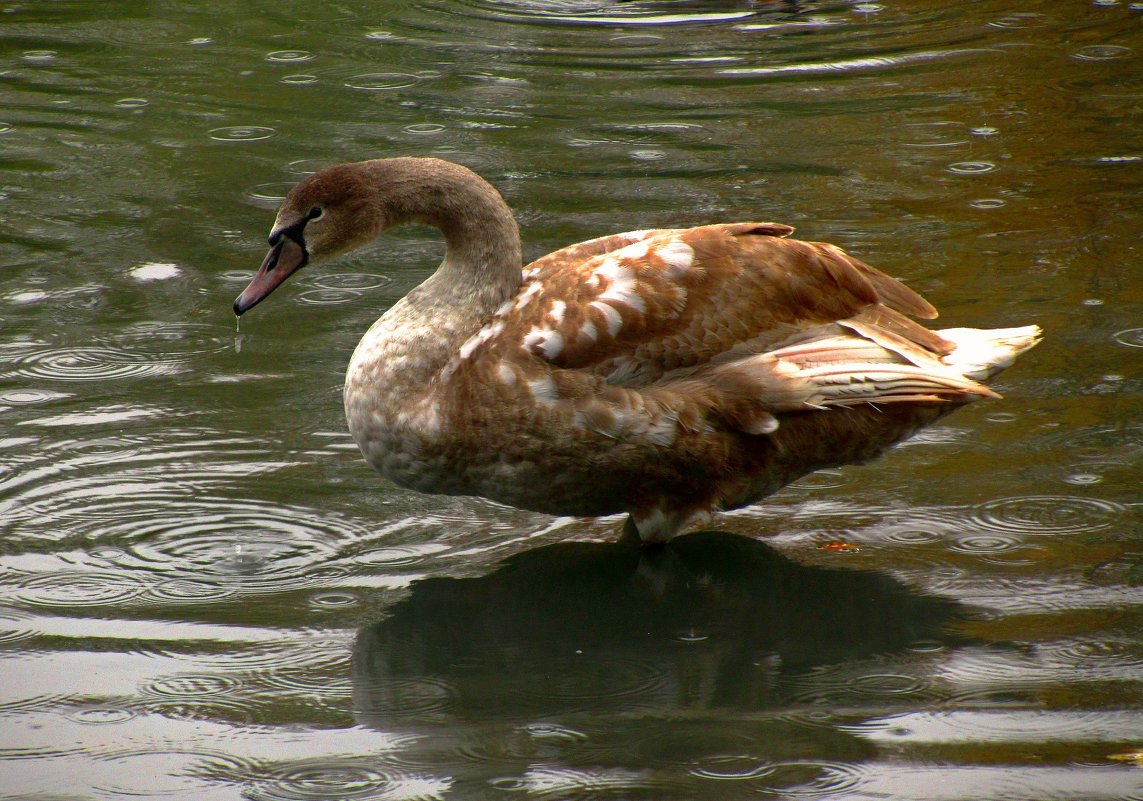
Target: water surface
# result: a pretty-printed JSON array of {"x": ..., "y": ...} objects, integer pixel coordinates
[{"x": 205, "y": 593}]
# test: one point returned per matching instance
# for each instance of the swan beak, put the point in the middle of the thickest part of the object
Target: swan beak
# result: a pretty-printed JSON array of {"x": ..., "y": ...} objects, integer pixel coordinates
[{"x": 285, "y": 258}]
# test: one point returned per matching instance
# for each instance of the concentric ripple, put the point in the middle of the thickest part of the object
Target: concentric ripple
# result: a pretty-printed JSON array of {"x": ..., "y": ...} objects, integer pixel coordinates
[
  {"x": 381, "y": 81},
  {"x": 809, "y": 778},
  {"x": 171, "y": 342},
  {"x": 971, "y": 167},
  {"x": 586, "y": 680},
  {"x": 241, "y": 133},
  {"x": 583, "y": 12},
  {"x": 80, "y": 589},
  {"x": 1131, "y": 337},
  {"x": 1047, "y": 515},
  {"x": 91, "y": 363},
  {"x": 353, "y": 281},
  {"x": 101, "y": 715},
  {"x": 165, "y": 773},
  {"x": 934, "y": 134},
  {"x": 346, "y": 778}
]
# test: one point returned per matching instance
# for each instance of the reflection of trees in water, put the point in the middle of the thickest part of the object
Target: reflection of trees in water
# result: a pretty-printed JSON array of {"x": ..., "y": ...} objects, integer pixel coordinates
[{"x": 712, "y": 620}]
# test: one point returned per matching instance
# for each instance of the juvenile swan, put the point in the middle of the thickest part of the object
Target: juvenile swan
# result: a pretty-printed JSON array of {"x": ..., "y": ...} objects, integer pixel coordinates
[{"x": 666, "y": 373}]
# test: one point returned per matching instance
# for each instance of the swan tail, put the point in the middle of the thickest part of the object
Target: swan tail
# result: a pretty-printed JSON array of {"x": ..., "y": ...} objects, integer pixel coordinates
[{"x": 846, "y": 370}]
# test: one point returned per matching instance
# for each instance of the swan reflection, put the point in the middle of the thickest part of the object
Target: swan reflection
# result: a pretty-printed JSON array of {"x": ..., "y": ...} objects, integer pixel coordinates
[{"x": 711, "y": 620}]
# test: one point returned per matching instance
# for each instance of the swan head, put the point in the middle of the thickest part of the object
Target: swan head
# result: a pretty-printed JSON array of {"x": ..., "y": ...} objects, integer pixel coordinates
[{"x": 329, "y": 213}]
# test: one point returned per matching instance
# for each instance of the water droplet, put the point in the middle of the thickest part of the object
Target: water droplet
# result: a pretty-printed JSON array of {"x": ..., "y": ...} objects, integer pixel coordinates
[
  {"x": 988, "y": 203},
  {"x": 39, "y": 56},
  {"x": 5, "y": 127},
  {"x": 1092, "y": 302},
  {"x": 379, "y": 35},
  {"x": 868, "y": 8},
  {"x": 299, "y": 80},
  {"x": 984, "y": 130},
  {"x": 200, "y": 40},
  {"x": 131, "y": 102}
]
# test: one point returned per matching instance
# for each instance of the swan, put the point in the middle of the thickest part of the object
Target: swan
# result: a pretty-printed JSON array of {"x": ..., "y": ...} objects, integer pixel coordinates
[{"x": 666, "y": 373}]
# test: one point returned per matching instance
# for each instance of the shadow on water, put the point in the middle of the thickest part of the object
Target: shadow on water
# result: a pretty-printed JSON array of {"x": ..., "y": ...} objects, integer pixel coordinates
[{"x": 710, "y": 620}]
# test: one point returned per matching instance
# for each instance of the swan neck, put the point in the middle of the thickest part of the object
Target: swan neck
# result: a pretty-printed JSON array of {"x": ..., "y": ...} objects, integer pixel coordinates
[{"x": 483, "y": 254}]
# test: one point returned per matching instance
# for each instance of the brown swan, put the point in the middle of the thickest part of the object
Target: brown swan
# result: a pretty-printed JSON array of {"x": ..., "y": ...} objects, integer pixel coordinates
[{"x": 666, "y": 373}]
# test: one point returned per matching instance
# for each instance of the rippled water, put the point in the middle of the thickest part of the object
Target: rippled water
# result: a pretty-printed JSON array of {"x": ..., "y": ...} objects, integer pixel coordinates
[{"x": 204, "y": 593}]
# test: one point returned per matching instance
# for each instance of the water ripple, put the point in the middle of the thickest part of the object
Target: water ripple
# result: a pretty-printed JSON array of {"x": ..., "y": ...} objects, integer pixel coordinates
[
  {"x": 241, "y": 133},
  {"x": 378, "y": 81},
  {"x": 78, "y": 589},
  {"x": 355, "y": 281},
  {"x": 1131, "y": 337},
  {"x": 1046, "y": 515},
  {"x": 327, "y": 297},
  {"x": 971, "y": 167},
  {"x": 325, "y": 778},
  {"x": 90, "y": 363},
  {"x": 803, "y": 778},
  {"x": 172, "y": 773},
  {"x": 849, "y": 65},
  {"x": 581, "y": 12},
  {"x": 585, "y": 680},
  {"x": 101, "y": 715},
  {"x": 1101, "y": 52},
  {"x": 289, "y": 56}
]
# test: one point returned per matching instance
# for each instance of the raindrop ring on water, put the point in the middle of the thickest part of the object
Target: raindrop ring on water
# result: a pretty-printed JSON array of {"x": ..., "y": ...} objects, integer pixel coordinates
[
  {"x": 1131, "y": 337},
  {"x": 241, "y": 133},
  {"x": 1047, "y": 514},
  {"x": 971, "y": 167},
  {"x": 1101, "y": 52},
  {"x": 289, "y": 56},
  {"x": 376, "y": 81}
]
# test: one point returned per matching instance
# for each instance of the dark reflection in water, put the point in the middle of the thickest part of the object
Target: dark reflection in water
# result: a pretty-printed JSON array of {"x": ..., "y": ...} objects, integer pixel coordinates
[
  {"x": 643, "y": 647},
  {"x": 731, "y": 602}
]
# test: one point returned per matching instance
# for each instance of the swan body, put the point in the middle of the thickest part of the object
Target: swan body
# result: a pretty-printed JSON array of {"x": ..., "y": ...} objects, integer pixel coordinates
[{"x": 667, "y": 373}]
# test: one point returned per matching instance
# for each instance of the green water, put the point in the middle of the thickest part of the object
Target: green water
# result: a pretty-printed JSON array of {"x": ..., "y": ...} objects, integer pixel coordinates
[{"x": 206, "y": 594}]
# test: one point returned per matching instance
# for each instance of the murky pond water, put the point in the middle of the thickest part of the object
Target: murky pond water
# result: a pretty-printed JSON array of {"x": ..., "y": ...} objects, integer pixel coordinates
[{"x": 205, "y": 593}]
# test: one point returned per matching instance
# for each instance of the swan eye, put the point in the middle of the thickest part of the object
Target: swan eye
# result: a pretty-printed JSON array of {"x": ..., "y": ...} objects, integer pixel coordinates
[{"x": 316, "y": 213}]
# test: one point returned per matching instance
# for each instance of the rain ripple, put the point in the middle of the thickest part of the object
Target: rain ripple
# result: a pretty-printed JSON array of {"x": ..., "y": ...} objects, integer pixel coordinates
[
  {"x": 1046, "y": 515},
  {"x": 155, "y": 772},
  {"x": 792, "y": 779},
  {"x": 341, "y": 778},
  {"x": 206, "y": 696},
  {"x": 83, "y": 589},
  {"x": 587, "y": 680},
  {"x": 142, "y": 350}
]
